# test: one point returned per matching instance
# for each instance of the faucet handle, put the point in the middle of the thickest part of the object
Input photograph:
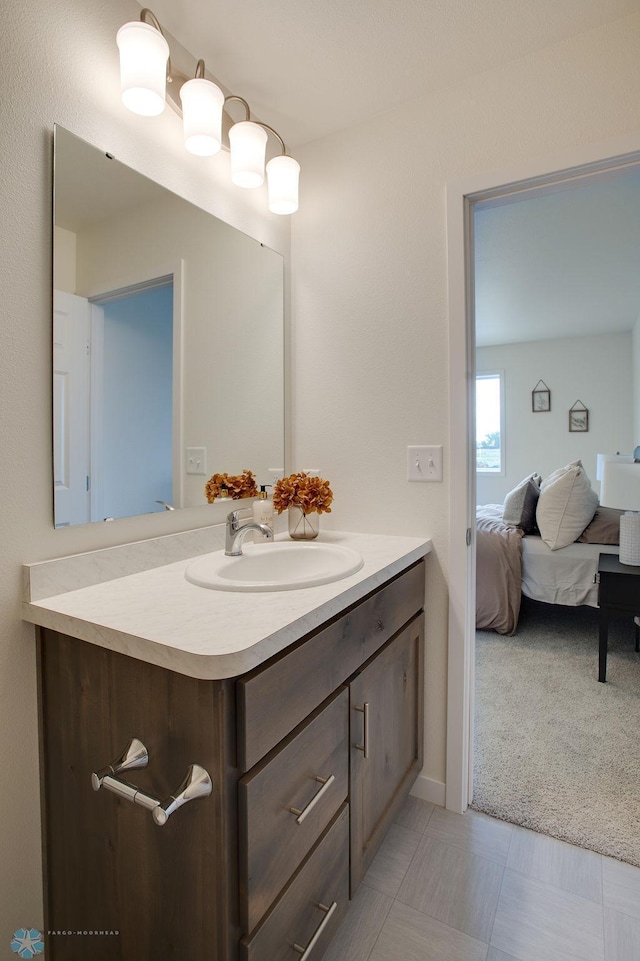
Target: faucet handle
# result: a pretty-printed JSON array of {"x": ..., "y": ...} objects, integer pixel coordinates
[{"x": 233, "y": 518}]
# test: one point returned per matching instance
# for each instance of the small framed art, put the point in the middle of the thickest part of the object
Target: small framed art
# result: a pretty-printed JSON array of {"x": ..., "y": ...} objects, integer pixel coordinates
[
  {"x": 578, "y": 417},
  {"x": 540, "y": 398}
]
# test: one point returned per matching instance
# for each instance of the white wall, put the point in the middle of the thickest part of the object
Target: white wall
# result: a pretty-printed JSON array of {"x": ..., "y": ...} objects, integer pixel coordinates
[
  {"x": 370, "y": 274},
  {"x": 59, "y": 64},
  {"x": 232, "y": 349},
  {"x": 636, "y": 382},
  {"x": 596, "y": 370},
  {"x": 64, "y": 264}
]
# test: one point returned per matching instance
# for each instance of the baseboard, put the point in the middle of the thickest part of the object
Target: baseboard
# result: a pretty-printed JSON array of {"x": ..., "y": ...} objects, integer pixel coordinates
[{"x": 428, "y": 789}]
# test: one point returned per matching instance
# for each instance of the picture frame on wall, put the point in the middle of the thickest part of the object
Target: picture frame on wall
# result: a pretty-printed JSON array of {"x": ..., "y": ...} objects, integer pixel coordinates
[
  {"x": 578, "y": 418},
  {"x": 540, "y": 398}
]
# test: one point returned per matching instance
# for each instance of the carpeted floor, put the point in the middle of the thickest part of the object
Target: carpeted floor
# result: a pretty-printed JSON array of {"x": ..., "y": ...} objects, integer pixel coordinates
[{"x": 555, "y": 750}]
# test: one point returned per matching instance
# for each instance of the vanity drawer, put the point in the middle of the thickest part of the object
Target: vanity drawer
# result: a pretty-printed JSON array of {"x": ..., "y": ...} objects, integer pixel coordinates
[
  {"x": 273, "y": 700},
  {"x": 297, "y": 918},
  {"x": 274, "y": 840}
]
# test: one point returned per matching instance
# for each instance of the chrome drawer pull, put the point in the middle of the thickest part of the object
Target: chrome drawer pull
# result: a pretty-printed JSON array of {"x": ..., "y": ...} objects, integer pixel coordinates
[
  {"x": 306, "y": 952},
  {"x": 364, "y": 747},
  {"x": 326, "y": 783},
  {"x": 196, "y": 783}
]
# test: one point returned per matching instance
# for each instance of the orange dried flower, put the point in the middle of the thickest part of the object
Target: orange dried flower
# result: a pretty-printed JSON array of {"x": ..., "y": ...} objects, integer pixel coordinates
[
  {"x": 237, "y": 486},
  {"x": 304, "y": 491}
]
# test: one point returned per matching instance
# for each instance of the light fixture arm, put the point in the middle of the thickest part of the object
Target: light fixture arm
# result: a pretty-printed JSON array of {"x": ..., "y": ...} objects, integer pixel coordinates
[
  {"x": 275, "y": 134},
  {"x": 241, "y": 100},
  {"x": 148, "y": 16},
  {"x": 173, "y": 76},
  {"x": 247, "y": 116}
]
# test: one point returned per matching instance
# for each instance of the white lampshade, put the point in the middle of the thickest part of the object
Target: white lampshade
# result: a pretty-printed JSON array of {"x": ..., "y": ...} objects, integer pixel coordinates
[
  {"x": 143, "y": 67},
  {"x": 601, "y": 458},
  {"x": 282, "y": 178},
  {"x": 620, "y": 485},
  {"x": 248, "y": 142},
  {"x": 202, "y": 103}
]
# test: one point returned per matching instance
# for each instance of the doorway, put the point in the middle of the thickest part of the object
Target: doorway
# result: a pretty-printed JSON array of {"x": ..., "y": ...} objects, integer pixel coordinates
[
  {"x": 462, "y": 197},
  {"x": 132, "y": 391}
]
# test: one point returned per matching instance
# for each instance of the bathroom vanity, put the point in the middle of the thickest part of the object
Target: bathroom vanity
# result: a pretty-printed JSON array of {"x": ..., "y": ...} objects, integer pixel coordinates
[{"x": 304, "y": 707}]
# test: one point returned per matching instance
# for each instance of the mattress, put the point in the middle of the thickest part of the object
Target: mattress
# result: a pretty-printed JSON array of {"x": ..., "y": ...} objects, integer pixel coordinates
[{"x": 566, "y": 576}]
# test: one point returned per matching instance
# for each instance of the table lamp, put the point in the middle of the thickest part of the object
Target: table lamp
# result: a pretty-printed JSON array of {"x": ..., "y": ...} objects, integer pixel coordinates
[{"x": 620, "y": 488}]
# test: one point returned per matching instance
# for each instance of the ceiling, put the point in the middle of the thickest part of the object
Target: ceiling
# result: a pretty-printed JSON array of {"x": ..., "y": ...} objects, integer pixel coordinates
[
  {"x": 564, "y": 263},
  {"x": 312, "y": 67}
]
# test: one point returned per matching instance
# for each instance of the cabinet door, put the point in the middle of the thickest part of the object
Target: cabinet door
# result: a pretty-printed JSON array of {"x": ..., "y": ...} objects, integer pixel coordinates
[{"x": 386, "y": 723}]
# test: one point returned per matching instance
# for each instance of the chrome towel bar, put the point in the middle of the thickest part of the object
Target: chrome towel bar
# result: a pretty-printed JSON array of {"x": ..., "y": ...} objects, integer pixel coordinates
[{"x": 196, "y": 783}]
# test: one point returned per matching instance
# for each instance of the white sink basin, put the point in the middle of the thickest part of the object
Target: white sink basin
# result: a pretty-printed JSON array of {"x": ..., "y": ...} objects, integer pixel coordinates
[{"x": 283, "y": 566}]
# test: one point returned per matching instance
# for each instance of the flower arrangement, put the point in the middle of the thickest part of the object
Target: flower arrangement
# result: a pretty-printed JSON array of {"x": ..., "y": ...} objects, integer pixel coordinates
[
  {"x": 235, "y": 486},
  {"x": 304, "y": 491}
]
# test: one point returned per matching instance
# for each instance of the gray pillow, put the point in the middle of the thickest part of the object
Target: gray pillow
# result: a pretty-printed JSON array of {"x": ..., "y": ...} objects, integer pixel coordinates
[{"x": 519, "y": 508}]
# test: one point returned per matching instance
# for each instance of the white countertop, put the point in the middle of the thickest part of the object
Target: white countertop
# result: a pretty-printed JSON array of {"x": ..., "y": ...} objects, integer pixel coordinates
[{"x": 157, "y": 616}]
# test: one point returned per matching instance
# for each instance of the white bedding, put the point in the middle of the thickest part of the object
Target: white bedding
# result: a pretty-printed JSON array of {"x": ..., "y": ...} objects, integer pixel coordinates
[{"x": 565, "y": 576}]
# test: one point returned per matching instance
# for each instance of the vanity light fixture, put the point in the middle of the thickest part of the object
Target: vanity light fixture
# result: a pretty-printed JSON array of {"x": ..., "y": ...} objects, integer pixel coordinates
[{"x": 148, "y": 81}]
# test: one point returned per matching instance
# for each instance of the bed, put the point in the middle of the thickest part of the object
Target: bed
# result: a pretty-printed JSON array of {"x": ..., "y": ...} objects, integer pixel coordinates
[{"x": 510, "y": 563}]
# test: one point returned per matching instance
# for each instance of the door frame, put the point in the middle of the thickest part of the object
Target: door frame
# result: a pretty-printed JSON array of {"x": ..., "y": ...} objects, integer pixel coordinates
[{"x": 548, "y": 172}]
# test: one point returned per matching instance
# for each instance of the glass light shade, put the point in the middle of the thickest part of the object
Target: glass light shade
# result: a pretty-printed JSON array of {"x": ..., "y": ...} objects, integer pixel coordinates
[
  {"x": 202, "y": 103},
  {"x": 282, "y": 178},
  {"x": 248, "y": 142},
  {"x": 143, "y": 67}
]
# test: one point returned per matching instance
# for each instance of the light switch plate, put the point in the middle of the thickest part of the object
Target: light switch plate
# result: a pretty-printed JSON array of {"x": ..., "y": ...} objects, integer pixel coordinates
[
  {"x": 196, "y": 460},
  {"x": 424, "y": 463}
]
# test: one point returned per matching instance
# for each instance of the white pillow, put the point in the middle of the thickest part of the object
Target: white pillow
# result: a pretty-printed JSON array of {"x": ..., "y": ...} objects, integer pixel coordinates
[{"x": 566, "y": 505}]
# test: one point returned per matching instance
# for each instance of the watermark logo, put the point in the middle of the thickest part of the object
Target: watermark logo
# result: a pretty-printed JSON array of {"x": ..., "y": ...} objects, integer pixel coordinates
[{"x": 27, "y": 942}]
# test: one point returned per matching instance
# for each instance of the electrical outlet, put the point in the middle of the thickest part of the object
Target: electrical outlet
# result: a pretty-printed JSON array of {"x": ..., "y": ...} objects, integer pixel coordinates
[
  {"x": 424, "y": 463},
  {"x": 196, "y": 460}
]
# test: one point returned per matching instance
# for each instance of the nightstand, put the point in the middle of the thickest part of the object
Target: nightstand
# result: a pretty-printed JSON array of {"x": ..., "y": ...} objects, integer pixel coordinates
[{"x": 619, "y": 593}]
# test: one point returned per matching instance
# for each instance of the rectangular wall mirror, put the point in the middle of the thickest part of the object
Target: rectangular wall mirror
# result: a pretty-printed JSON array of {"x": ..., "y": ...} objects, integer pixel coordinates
[{"x": 168, "y": 334}]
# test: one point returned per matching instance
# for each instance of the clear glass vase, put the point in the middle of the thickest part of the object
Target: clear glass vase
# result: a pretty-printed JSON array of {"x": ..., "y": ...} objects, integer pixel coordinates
[{"x": 303, "y": 527}]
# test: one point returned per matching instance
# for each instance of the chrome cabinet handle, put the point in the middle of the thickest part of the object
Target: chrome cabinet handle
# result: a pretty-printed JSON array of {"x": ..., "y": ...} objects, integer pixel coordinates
[
  {"x": 326, "y": 783},
  {"x": 306, "y": 952},
  {"x": 196, "y": 783},
  {"x": 364, "y": 747}
]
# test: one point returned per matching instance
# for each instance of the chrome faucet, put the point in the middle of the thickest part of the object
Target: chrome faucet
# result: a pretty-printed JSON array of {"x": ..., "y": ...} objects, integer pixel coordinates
[{"x": 236, "y": 533}]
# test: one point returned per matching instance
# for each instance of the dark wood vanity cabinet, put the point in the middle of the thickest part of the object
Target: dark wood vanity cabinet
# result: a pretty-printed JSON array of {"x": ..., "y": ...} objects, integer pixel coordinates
[{"x": 310, "y": 756}]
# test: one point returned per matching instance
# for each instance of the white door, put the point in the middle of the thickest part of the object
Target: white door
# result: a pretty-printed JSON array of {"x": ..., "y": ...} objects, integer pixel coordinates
[{"x": 71, "y": 408}]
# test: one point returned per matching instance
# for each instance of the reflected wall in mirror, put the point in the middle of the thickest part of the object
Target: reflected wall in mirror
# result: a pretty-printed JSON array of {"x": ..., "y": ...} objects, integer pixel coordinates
[{"x": 168, "y": 350}]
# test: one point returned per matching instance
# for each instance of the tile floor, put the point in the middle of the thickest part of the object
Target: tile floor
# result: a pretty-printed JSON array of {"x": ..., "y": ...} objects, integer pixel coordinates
[{"x": 450, "y": 887}]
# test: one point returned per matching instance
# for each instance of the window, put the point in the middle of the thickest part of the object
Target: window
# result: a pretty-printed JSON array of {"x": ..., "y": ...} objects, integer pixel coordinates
[{"x": 490, "y": 422}]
